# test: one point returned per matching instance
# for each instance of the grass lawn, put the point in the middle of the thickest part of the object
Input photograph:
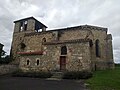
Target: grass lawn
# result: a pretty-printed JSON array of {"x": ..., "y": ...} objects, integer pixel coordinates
[{"x": 105, "y": 80}]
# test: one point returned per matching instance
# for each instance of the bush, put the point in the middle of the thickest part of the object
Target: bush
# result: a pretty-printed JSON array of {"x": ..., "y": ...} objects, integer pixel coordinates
[
  {"x": 77, "y": 75},
  {"x": 117, "y": 65},
  {"x": 5, "y": 60},
  {"x": 20, "y": 73}
]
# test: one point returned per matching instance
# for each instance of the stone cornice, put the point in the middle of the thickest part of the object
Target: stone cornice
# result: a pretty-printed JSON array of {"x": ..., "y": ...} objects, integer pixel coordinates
[{"x": 67, "y": 41}]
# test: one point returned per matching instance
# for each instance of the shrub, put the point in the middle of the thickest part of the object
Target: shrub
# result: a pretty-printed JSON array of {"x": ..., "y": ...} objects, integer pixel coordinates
[
  {"x": 20, "y": 73},
  {"x": 77, "y": 75},
  {"x": 5, "y": 60}
]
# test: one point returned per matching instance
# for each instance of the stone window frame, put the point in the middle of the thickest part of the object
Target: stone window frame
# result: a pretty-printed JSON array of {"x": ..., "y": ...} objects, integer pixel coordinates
[
  {"x": 27, "y": 61},
  {"x": 64, "y": 50},
  {"x": 37, "y": 61}
]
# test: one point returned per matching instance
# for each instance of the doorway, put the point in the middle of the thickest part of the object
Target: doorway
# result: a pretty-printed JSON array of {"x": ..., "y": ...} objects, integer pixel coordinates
[{"x": 62, "y": 63}]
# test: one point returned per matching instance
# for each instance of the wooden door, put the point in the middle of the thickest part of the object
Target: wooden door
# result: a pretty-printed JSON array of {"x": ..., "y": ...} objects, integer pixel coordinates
[{"x": 62, "y": 63}]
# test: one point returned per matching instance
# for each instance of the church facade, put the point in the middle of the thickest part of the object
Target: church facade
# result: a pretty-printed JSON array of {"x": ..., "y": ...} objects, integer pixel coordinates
[{"x": 76, "y": 48}]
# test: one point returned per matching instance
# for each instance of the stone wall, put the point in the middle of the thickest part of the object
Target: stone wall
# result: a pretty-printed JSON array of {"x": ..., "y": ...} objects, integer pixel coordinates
[
  {"x": 77, "y": 58},
  {"x": 80, "y": 52},
  {"x": 34, "y": 42},
  {"x": 6, "y": 69},
  {"x": 19, "y": 36},
  {"x": 30, "y": 26}
]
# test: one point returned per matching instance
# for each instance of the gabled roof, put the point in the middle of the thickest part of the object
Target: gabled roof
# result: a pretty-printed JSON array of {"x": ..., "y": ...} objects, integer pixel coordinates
[
  {"x": 30, "y": 18},
  {"x": 82, "y": 27}
]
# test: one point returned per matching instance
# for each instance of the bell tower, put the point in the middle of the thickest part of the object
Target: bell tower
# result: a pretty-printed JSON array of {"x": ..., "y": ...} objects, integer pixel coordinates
[
  {"x": 28, "y": 25},
  {"x": 21, "y": 27}
]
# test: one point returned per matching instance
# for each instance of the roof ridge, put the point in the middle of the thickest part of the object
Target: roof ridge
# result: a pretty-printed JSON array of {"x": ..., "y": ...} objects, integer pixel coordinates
[{"x": 80, "y": 26}]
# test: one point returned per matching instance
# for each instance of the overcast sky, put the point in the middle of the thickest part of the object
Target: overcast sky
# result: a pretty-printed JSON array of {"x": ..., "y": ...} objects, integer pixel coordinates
[{"x": 62, "y": 13}]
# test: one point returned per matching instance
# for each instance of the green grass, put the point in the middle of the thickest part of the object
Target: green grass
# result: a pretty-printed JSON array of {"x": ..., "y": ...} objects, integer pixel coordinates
[{"x": 105, "y": 80}]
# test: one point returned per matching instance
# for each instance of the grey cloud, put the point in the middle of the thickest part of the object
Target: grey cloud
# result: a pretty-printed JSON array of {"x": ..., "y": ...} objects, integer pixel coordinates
[
  {"x": 62, "y": 13},
  {"x": 117, "y": 56},
  {"x": 116, "y": 43}
]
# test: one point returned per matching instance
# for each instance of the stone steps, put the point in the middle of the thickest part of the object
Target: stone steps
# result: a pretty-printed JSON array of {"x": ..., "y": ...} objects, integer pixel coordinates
[{"x": 57, "y": 75}]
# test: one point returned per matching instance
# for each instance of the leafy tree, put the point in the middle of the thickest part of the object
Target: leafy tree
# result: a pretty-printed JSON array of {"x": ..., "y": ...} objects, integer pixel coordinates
[
  {"x": 2, "y": 53},
  {"x": 5, "y": 60}
]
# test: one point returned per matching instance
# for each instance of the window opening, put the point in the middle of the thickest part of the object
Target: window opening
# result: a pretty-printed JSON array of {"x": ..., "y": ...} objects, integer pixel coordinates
[
  {"x": 38, "y": 62},
  {"x": 39, "y": 30},
  {"x": 28, "y": 62},
  {"x": 44, "y": 40},
  {"x": 23, "y": 46},
  {"x": 90, "y": 43},
  {"x": 21, "y": 26},
  {"x": 63, "y": 50},
  {"x": 25, "y": 25},
  {"x": 97, "y": 48}
]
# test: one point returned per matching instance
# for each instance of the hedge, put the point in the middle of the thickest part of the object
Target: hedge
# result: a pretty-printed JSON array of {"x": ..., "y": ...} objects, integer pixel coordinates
[{"x": 77, "y": 75}]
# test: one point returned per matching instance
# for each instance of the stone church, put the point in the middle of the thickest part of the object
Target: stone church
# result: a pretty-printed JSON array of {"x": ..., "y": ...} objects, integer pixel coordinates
[{"x": 77, "y": 48}]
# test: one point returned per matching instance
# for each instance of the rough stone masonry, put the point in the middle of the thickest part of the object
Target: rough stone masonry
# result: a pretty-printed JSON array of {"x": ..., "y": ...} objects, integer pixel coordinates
[{"x": 76, "y": 48}]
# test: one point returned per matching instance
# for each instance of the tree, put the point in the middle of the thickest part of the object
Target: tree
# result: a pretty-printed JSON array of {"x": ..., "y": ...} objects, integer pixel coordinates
[
  {"x": 4, "y": 59},
  {"x": 3, "y": 53}
]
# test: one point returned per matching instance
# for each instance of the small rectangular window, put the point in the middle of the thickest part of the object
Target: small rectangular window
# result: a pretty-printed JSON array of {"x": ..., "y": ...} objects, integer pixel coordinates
[{"x": 25, "y": 25}]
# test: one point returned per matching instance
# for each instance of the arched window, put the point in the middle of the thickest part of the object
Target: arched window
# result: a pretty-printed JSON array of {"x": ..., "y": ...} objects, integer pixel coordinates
[
  {"x": 90, "y": 43},
  {"x": 97, "y": 48},
  {"x": 38, "y": 62},
  {"x": 28, "y": 62},
  {"x": 44, "y": 40},
  {"x": 63, "y": 50}
]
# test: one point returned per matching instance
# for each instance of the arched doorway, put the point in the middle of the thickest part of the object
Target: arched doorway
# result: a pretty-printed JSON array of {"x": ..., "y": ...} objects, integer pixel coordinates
[{"x": 63, "y": 58}]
